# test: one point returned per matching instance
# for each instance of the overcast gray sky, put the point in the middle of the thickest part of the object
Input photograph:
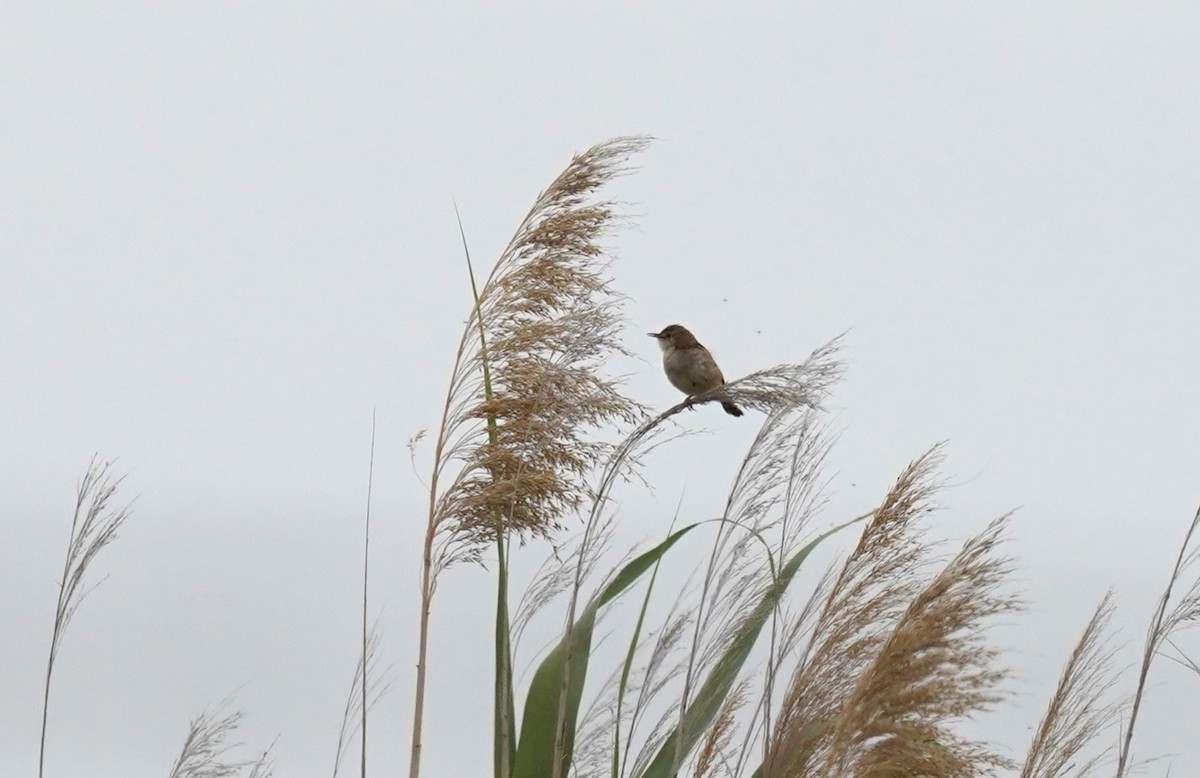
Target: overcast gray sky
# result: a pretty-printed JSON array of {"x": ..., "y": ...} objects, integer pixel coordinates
[{"x": 227, "y": 234}]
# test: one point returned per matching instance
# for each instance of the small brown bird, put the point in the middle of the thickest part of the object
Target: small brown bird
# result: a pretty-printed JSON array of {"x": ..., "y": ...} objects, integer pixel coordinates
[{"x": 689, "y": 366}]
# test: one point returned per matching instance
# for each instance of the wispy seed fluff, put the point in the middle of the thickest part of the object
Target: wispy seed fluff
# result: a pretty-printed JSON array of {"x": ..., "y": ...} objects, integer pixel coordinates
[{"x": 528, "y": 401}]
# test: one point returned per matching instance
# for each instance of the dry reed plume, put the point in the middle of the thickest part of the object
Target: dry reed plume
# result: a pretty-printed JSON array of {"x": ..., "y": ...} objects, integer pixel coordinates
[
  {"x": 207, "y": 745},
  {"x": 714, "y": 749},
  {"x": 93, "y": 526},
  {"x": 528, "y": 402},
  {"x": 1077, "y": 712},
  {"x": 546, "y": 321},
  {"x": 894, "y": 656}
]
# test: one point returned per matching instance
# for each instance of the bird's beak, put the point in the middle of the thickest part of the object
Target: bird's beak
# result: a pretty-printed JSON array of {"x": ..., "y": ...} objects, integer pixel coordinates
[{"x": 654, "y": 334}]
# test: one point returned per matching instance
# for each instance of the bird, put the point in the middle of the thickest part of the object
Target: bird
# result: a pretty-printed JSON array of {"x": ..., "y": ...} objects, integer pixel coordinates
[{"x": 689, "y": 366}]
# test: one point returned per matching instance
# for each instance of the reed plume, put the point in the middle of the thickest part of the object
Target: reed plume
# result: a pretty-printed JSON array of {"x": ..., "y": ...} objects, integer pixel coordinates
[
  {"x": 1077, "y": 712},
  {"x": 933, "y": 667},
  {"x": 870, "y": 589},
  {"x": 714, "y": 748},
  {"x": 894, "y": 655},
  {"x": 528, "y": 405},
  {"x": 93, "y": 527},
  {"x": 546, "y": 321},
  {"x": 206, "y": 748}
]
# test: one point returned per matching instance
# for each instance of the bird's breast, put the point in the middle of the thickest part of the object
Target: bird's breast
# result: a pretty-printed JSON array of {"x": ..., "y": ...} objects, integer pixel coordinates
[{"x": 691, "y": 371}]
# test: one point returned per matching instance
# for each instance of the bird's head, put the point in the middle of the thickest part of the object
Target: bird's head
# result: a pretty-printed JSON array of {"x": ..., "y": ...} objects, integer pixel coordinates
[{"x": 674, "y": 336}]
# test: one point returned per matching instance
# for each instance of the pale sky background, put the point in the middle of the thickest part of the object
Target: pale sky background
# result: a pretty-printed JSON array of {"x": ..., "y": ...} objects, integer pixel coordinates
[{"x": 227, "y": 233}]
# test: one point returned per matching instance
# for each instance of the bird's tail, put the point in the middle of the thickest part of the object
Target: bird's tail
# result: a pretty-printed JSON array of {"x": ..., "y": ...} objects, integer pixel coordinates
[{"x": 730, "y": 408}]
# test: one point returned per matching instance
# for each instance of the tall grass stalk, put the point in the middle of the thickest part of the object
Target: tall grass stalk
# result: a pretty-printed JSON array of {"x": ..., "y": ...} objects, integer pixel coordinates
[
  {"x": 93, "y": 526},
  {"x": 502, "y": 707},
  {"x": 365, "y": 657},
  {"x": 369, "y": 683},
  {"x": 1163, "y": 624}
]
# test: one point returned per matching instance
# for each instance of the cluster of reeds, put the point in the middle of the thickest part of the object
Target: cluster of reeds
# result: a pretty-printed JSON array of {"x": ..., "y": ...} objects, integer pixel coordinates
[
  {"x": 869, "y": 672},
  {"x": 209, "y": 749}
]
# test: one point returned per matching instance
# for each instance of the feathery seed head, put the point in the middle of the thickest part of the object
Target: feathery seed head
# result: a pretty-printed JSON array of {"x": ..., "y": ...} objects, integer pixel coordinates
[{"x": 529, "y": 402}]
